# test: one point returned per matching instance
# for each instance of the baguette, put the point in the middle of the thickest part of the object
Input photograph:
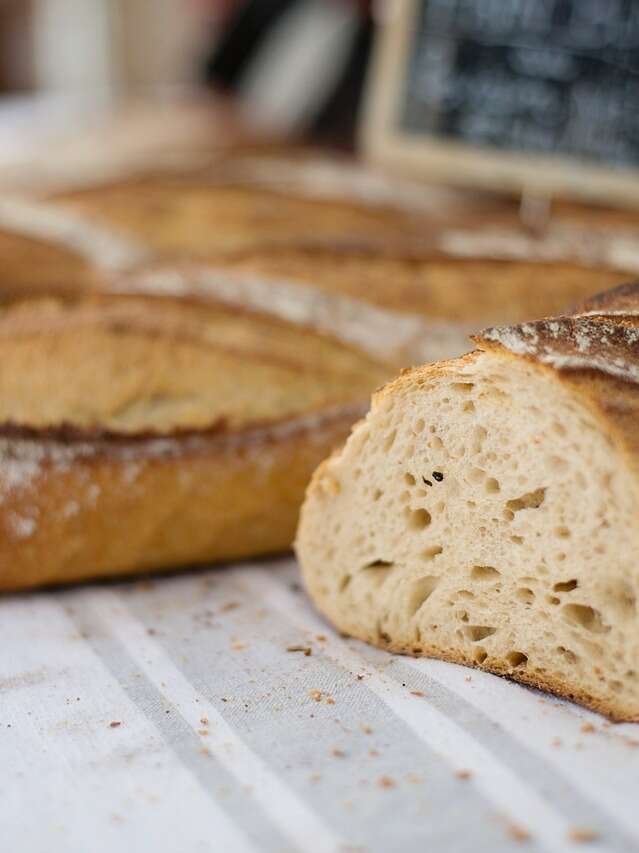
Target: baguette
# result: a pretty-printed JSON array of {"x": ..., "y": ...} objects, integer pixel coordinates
[
  {"x": 486, "y": 511},
  {"x": 430, "y": 282},
  {"x": 200, "y": 214},
  {"x": 324, "y": 223},
  {"x": 332, "y": 226},
  {"x": 145, "y": 432}
]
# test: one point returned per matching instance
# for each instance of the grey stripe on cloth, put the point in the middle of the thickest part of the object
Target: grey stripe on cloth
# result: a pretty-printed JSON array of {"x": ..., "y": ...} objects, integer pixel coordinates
[
  {"x": 540, "y": 776},
  {"x": 179, "y": 736},
  {"x": 82, "y": 767},
  {"x": 403, "y": 796},
  {"x": 285, "y": 808},
  {"x": 344, "y": 750}
]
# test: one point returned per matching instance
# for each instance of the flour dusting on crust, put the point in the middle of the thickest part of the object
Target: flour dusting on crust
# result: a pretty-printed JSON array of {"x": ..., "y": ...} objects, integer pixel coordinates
[
  {"x": 41, "y": 220},
  {"x": 574, "y": 343},
  {"x": 562, "y": 242},
  {"x": 382, "y": 333},
  {"x": 333, "y": 179}
]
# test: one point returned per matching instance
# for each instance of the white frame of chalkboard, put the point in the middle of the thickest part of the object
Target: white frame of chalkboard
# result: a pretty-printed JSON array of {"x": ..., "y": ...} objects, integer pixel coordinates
[{"x": 443, "y": 159}]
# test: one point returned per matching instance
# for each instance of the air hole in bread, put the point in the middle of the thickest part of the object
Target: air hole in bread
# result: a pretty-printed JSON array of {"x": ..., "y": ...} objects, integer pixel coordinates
[
  {"x": 492, "y": 485},
  {"x": 526, "y": 595},
  {"x": 419, "y": 519},
  {"x": 557, "y": 463},
  {"x": 516, "y": 659},
  {"x": 432, "y": 552},
  {"x": 468, "y": 406},
  {"x": 568, "y": 655},
  {"x": 562, "y": 532},
  {"x": 378, "y": 564},
  {"x": 475, "y": 633},
  {"x": 377, "y": 494},
  {"x": 466, "y": 593},
  {"x": 480, "y": 655},
  {"x": 565, "y": 586},
  {"x": 409, "y": 480},
  {"x": 420, "y": 592},
  {"x": 585, "y": 617},
  {"x": 382, "y": 635},
  {"x": 419, "y": 425},
  {"x": 552, "y": 599},
  {"x": 531, "y": 500},
  {"x": 493, "y": 394},
  {"x": 330, "y": 485},
  {"x": 344, "y": 582},
  {"x": 462, "y": 387},
  {"x": 484, "y": 573},
  {"x": 623, "y": 600},
  {"x": 517, "y": 540},
  {"x": 390, "y": 440},
  {"x": 480, "y": 434}
]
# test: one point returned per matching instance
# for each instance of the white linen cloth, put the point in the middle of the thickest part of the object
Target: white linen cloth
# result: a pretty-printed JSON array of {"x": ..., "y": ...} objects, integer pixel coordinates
[{"x": 187, "y": 714}]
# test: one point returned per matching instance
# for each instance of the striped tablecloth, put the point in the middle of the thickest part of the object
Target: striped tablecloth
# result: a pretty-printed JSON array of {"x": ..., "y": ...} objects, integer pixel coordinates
[{"x": 215, "y": 711}]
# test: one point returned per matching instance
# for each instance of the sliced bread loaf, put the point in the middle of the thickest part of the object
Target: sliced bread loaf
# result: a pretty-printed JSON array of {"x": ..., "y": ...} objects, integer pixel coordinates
[{"x": 486, "y": 511}]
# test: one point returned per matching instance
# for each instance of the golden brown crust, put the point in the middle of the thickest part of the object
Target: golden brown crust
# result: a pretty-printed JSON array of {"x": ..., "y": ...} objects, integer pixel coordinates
[
  {"x": 125, "y": 364},
  {"x": 31, "y": 266},
  {"x": 618, "y": 301},
  {"x": 423, "y": 280},
  {"x": 85, "y": 491},
  {"x": 595, "y": 350},
  {"x": 173, "y": 214},
  {"x": 75, "y": 509},
  {"x": 602, "y": 705}
]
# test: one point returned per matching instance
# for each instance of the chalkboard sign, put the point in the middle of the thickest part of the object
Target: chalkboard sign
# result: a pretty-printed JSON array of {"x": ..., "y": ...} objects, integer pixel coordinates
[{"x": 539, "y": 96}]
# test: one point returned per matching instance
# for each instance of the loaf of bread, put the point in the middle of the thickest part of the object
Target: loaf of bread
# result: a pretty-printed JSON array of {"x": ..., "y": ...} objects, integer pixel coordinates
[
  {"x": 201, "y": 214},
  {"x": 333, "y": 226},
  {"x": 430, "y": 282},
  {"x": 486, "y": 511},
  {"x": 146, "y": 431}
]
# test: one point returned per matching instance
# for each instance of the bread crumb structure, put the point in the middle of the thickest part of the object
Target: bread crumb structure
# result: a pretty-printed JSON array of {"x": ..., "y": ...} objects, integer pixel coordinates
[{"x": 486, "y": 511}]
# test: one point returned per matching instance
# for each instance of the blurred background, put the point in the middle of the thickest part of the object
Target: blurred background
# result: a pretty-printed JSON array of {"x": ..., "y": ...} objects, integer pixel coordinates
[{"x": 293, "y": 66}]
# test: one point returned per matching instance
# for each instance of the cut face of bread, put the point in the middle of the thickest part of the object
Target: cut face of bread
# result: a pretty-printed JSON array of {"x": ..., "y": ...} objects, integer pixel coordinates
[{"x": 486, "y": 512}]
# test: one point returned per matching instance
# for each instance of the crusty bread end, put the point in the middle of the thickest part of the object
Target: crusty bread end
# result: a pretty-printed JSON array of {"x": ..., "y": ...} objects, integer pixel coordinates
[{"x": 485, "y": 512}]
